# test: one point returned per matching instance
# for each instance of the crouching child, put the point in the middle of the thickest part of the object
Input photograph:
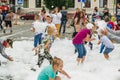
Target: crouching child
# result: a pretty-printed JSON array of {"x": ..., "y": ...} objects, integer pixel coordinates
[
  {"x": 43, "y": 49},
  {"x": 108, "y": 44},
  {"x": 6, "y": 44},
  {"x": 51, "y": 71}
]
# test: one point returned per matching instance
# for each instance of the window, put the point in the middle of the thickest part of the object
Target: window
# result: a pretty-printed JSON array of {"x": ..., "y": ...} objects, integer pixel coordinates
[
  {"x": 26, "y": 3},
  {"x": 88, "y": 4},
  {"x": 102, "y": 3},
  {"x": 38, "y": 3}
]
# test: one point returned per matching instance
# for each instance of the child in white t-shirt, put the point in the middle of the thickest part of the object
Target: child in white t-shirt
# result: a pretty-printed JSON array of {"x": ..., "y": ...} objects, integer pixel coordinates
[{"x": 38, "y": 28}]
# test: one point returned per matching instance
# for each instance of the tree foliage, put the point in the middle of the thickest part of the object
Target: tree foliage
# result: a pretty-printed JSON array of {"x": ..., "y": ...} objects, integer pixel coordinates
[{"x": 51, "y": 4}]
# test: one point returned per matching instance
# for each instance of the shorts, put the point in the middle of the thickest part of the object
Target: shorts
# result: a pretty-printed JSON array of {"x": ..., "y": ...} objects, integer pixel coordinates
[
  {"x": 108, "y": 50},
  {"x": 8, "y": 23},
  {"x": 81, "y": 50}
]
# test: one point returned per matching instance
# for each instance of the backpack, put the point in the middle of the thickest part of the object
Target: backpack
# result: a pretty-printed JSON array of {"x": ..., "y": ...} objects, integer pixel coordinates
[{"x": 109, "y": 26}]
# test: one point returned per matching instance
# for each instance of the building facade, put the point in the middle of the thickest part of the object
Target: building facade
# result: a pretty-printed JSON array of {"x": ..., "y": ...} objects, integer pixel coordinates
[{"x": 35, "y": 5}]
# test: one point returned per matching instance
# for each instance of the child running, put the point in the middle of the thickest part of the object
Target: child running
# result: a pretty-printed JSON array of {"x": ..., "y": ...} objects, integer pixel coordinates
[
  {"x": 44, "y": 47},
  {"x": 50, "y": 72},
  {"x": 78, "y": 41},
  {"x": 108, "y": 45},
  {"x": 38, "y": 29}
]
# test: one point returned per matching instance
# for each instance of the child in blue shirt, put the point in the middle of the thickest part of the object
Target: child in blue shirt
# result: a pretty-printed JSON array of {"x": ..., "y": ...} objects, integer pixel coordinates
[{"x": 50, "y": 72}]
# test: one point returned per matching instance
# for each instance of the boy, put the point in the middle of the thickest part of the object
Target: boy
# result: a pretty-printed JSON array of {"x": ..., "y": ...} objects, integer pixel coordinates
[
  {"x": 108, "y": 44},
  {"x": 38, "y": 28},
  {"x": 5, "y": 44}
]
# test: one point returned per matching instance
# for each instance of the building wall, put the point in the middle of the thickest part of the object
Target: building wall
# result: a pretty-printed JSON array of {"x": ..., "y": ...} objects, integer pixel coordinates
[
  {"x": 110, "y": 3},
  {"x": 32, "y": 6}
]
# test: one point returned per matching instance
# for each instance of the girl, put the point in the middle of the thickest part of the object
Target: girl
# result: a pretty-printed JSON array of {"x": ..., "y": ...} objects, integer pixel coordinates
[
  {"x": 57, "y": 19},
  {"x": 95, "y": 14},
  {"x": 50, "y": 72},
  {"x": 78, "y": 41},
  {"x": 79, "y": 23}
]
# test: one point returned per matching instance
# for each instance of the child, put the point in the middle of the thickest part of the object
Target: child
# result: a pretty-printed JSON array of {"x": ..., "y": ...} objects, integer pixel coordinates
[
  {"x": 45, "y": 47},
  {"x": 108, "y": 45},
  {"x": 78, "y": 41},
  {"x": 5, "y": 44},
  {"x": 50, "y": 72},
  {"x": 38, "y": 29},
  {"x": 50, "y": 23},
  {"x": 8, "y": 21}
]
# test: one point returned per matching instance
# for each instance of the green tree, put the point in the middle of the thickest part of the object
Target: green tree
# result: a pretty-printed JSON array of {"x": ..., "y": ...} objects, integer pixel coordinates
[{"x": 51, "y": 4}]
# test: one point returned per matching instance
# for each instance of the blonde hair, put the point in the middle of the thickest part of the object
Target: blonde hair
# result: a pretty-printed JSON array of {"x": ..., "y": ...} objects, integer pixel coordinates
[
  {"x": 50, "y": 30},
  {"x": 56, "y": 61}
]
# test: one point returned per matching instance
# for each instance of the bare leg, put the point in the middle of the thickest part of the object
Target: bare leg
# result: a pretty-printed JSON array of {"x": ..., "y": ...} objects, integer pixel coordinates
[
  {"x": 78, "y": 60},
  {"x": 10, "y": 29},
  {"x": 4, "y": 29},
  {"x": 106, "y": 56},
  {"x": 83, "y": 59},
  {"x": 57, "y": 78}
]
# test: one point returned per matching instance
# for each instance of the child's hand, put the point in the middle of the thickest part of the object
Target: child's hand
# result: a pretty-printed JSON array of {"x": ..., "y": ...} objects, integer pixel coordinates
[
  {"x": 10, "y": 58},
  {"x": 32, "y": 29},
  {"x": 69, "y": 77},
  {"x": 98, "y": 42}
]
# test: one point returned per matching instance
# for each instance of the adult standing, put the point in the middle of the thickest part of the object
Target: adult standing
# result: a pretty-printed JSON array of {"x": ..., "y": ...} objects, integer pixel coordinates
[
  {"x": 57, "y": 18},
  {"x": 95, "y": 14},
  {"x": 63, "y": 19},
  {"x": 118, "y": 11},
  {"x": 106, "y": 11}
]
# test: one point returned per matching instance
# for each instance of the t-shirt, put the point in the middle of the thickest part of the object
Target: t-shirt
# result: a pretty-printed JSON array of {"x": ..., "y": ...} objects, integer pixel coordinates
[
  {"x": 106, "y": 41},
  {"x": 64, "y": 15},
  {"x": 78, "y": 39},
  {"x": 111, "y": 25},
  {"x": 47, "y": 73},
  {"x": 39, "y": 27}
]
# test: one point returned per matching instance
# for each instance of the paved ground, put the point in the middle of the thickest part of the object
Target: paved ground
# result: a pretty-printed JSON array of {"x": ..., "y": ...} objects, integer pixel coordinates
[{"x": 22, "y": 31}]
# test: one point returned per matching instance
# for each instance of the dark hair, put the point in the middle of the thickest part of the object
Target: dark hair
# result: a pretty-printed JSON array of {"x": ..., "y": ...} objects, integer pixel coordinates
[
  {"x": 79, "y": 16},
  {"x": 58, "y": 9},
  {"x": 10, "y": 42},
  {"x": 96, "y": 9},
  {"x": 107, "y": 19}
]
